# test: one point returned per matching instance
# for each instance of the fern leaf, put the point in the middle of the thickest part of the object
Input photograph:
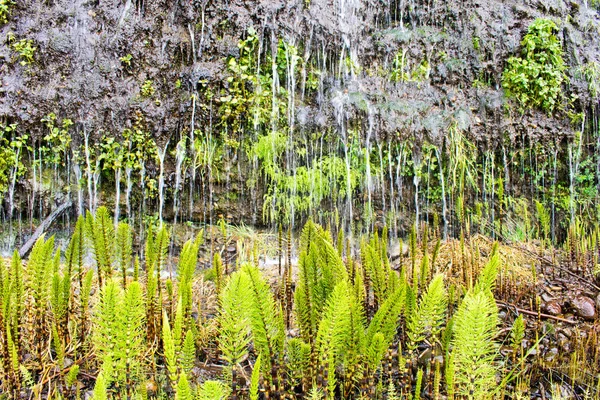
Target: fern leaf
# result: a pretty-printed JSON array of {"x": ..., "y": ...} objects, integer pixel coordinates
[
  {"x": 234, "y": 324},
  {"x": 100, "y": 388},
  {"x": 487, "y": 277},
  {"x": 426, "y": 321},
  {"x": 333, "y": 333},
  {"x": 184, "y": 392},
  {"x": 475, "y": 327},
  {"x": 169, "y": 348},
  {"x": 124, "y": 249},
  {"x": 254, "y": 378},
  {"x": 266, "y": 321},
  {"x": 188, "y": 353},
  {"x": 213, "y": 390}
]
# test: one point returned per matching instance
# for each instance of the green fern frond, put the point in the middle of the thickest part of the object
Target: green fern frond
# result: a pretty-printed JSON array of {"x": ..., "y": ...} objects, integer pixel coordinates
[
  {"x": 106, "y": 319},
  {"x": 219, "y": 272},
  {"x": 213, "y": 390},
  {"x": 234, "y": 324},
  {"x": 254, "y": 379},
  {"x": 426, "y": 320},
  {"x": 486, "y": 281},
  {"x": 385, "y": 320},
  {"x": 183, "y": 392},
  {"x": 382, "y": 328},
  {"x": 376, "y": 349},
  {"x": 473, "y": 352},
  {"x": 100, "y": 388},
  {"x": 124, "y": 249},
  {"x": 169, "y": 349},
  {"x": 188, "y": 260},
  {"x": 188, "y": 353},
  {"x": 161, "y": 241},
  {"x": 320, "y": 269},
  {"x": 101, "y": 232},
  {"x": 517, "y": 334},
  {"x": 132, "y": 322},
  {"x": 16, "y": 290},
  {"x": 333, "y": 333},
  {"x": 266, "y": 321},
  {"x": 71, "y": 377},
  {"x": 297, "y": 359}
]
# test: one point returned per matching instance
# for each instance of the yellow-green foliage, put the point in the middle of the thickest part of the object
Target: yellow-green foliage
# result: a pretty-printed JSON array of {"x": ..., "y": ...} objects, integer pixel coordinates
[
  {"x": 425, "y": 322},
  {"x": 100, "y": 231},
  {"x": 123, "y": 249},
  {"x": 321, "y": 268},
  {"x": 334, "y": 330},
  {"x": 118, "y": 329},
  {"x": 169, "y": 349},
  {"x": 188, "y": 260},
  {"x": 100, "y": 388},
  {"x": 254, "y": 379},
  {"x": 5, "y": 6},
  {"x": 377, "y": 267},
  {"x": 213, "y": 390},
  {"x": 473, "y": 346},
  {"x": 535, "y": 79},
  {"x": 184, "y": 392},
  {"x": 266, "y": 321},
  {"x": 234, "y": 324}
]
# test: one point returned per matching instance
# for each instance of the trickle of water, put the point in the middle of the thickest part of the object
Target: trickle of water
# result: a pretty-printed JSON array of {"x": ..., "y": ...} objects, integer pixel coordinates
[
  {"x": 180, "y": 153},
  {"x": 161, "y": 181}
]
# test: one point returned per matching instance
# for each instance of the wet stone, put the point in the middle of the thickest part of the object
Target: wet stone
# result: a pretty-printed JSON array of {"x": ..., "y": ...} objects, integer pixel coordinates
[
  {"x": 584, "y": 307},
  {"x": 553, "y": 307}
]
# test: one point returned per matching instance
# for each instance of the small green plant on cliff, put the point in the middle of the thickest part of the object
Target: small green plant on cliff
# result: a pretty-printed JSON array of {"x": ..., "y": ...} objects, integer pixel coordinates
[
  {"x": 5, "y": 6},
  {"x": 26, "y": 51},
  {"x": 126, "y": 60},
  {"x": 57, "y": 141},
  {"x": 535, "y": 78},
  {"x": 147, "y": 89},
  {"x": 11, "y": 147}
]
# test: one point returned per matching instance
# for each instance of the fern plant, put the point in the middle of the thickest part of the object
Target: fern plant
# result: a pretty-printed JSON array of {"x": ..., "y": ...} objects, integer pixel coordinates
[
  {"x": 38, "y": 276},
  {"x": 123, "y": 249},
  {"x": 341, "y": 340},
  {"x": 266, "y": 321},
  {"x": 188, "y": 260},
  {"x": 234, "y": 322},
  {"x": 119, "y": 333},
  {"x": 320, "y": 269},
  {"x": 213, "y": 390},
  {"x": 473, "y": 352},
  {"x": 425, "y": 322},
  {"x": 100, "y": 230},
  {"x": 377, "y": 267}
]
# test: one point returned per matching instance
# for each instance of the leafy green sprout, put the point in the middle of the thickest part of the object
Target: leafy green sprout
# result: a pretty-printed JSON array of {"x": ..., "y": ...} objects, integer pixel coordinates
[
  {"x": 26, "y": 51},
  {"x": 536, "y": 77},
  {"x": 5, "y": 6},
  {"x": 147, "y": 88},
  {"x": 126, "y": 60}
]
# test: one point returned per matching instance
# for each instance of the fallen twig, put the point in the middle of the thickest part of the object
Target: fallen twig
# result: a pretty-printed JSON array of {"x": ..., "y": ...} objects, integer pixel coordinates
[{"x": 534, "y": 313}]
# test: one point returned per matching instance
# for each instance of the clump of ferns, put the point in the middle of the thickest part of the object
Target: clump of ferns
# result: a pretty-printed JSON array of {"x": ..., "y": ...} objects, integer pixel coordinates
[
  {"x": 119, "y": 337},
  {"x": 156, "y": 248},
  {"x": 11, "y": 303},
  {"x": 249, "y": 313},
  {"x": 472, "y": 361}
]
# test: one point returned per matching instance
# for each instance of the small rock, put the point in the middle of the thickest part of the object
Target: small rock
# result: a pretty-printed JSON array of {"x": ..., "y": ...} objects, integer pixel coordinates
[
  {"x": 551, "y": 355},
  {"x": 584, "y": 307},
  {"x": 553, "y": 307}
]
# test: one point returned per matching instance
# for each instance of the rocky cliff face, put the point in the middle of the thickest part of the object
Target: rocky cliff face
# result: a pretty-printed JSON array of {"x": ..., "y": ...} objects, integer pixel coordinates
[{"x": 388, "y": 69}]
